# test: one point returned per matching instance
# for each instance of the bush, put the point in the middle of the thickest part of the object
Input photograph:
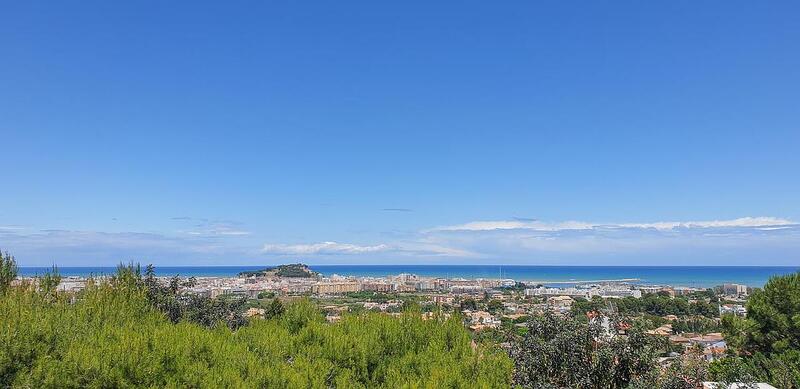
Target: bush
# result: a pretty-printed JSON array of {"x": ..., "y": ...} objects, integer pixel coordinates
[
  {"x": 114, "y": 334},
  {"x": 567, "y": 353}
]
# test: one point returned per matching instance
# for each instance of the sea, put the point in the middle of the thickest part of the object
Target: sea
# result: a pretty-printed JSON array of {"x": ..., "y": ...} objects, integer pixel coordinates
[{"x": 691, "y": 276}]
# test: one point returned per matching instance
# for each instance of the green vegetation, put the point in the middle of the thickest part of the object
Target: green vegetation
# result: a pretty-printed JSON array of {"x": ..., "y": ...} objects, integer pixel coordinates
[
  {"x": 773, "y": 317},
  {"x": 699, "y": 324},
  {"x": 297, "y": 270},
  {"x": 653, "y": 304},
  {"x": 133, "y": 330},
  {"x": 377, "y": 297},
  {"x": 768, "y": 340},
  {"x": 120, "y": 333},
  {"x": 564, "y": 352},
  {"x": 469, "y": 304},
  {"x": 495, "y": 307},
  {"x": 8, "y": 271}
]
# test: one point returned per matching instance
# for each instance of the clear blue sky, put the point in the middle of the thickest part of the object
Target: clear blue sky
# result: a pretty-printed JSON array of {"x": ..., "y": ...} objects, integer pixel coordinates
[{"x": 384, "y": 132}]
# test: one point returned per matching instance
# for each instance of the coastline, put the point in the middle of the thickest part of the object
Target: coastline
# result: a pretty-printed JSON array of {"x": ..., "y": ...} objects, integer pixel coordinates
[{"x": 692, "y": 276}]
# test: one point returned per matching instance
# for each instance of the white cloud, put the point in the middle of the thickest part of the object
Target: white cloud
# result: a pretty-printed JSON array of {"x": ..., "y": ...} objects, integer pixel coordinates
[
  {"x": 93, "y": 248},
  {"x": 765, "y": 240},
  {"x": 745, "y": 222},
  {"x": 514, "y": 225},
  {"x": 423, "y": 248},
  {"x": 411, "y": 248},
  {"x": 219, "y": 231},
  {"x": 688, "y": 242},
  {"x": 322, "y": 248}
]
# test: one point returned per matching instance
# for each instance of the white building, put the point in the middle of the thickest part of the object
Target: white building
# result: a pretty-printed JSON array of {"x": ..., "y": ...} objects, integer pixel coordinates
[{"x": 734, "y": 290}]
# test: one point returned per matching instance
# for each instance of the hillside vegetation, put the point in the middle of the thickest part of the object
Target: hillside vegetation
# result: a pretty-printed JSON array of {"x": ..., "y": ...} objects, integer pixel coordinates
[
  {"x": 112, "y": 336},
  {"x": 297, "y": 270},
  {"x": 134, "y": 330}
]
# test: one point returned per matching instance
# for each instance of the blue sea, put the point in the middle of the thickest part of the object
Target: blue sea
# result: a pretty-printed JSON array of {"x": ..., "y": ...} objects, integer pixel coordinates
[{"x": 694, "y": 276}]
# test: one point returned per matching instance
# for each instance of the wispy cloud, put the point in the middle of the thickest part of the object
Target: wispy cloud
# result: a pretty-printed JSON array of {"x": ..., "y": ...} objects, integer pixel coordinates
[
  {"x": 56, "y": 238},
  {"x": 398, "y": 210},
  {"x": 517, "y": 224},
  {"x": 322, "y": 248},
  {"x": 37, "y": 247},
  {"x": 11, "y": 229},
  {"x": 685, "y": 242},
  {"x": 768, "y": 240},
  {"x": 218, "y": 229},
  {"x": 211, "y": 228}
]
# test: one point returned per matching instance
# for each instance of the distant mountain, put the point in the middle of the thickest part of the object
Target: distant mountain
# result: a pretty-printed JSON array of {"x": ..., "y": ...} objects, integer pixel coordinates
[{"x": 297, "y": 270}]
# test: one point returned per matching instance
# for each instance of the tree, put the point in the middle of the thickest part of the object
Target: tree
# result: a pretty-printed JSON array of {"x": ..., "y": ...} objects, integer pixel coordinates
[
  {"x": 469, "y": 304},
  {"x": 565, "y": 352},
  {"x": 48, "y": 284},
  {"x": 274, "y": 309},
  {"x": 682, "y": 373},
  {"x": 265, "y": 295},
  {"x": 697, "y": 324},
  {"x": 495, "y": 306},
  {"x": 111, "y": 335},
  {"x": 773, "y": 317},
  {"x": 8, "y": 271},
  {"x": 177, "y": 305},
  {"x": 767, "y": 341}
]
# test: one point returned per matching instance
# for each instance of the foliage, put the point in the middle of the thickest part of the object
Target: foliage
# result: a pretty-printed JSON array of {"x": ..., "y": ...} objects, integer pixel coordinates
[
  {"x": 773, "y": 317},
  {"x": 124, "y": 333},
  {"x": 48, "y": 284},
  {"x": 564, "y": 352},
  {"x": 697, "y": 324},
  {"x": 682, "y": 373},
  {"x": 768, "y": 339},
  {"x": 495, "y": 306},
  {"x": 378, "y": 297},
  {"x": 653, "y": 304},
  {"x": 581, "y": 306},
  {"x": 781, "y": 370},
  {"x": 8, "y": 270},
  {"x": 647, "y": 321},
  {"x": 179, "y": 306},
  {"x": 469, "y": 304},
  {"x": 297, "y": 270},
  {"x": 274, "y": 309}
]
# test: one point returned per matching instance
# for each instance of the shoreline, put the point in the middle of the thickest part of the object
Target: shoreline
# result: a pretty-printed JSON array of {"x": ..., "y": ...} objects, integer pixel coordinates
[{"x": 690, "y": 276}]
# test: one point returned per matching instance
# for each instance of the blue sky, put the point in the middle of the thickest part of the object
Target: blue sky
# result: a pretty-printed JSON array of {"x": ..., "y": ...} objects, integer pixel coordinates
[{"x": 195, "y": 133}]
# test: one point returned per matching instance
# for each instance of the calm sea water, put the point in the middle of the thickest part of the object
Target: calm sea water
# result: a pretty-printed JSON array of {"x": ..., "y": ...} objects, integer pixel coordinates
[{"x": 696, "y": 276}]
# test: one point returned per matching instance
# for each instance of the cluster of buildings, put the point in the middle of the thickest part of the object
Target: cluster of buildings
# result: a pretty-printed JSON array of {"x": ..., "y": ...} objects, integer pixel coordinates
[
  {"x": 443, "y": 292},
  {"x": 735, "y": 290},
  {"x": 671, "y": 291},
  {"x": 338, "y": 285},
  {"x": 587, "y": 292},
  {"x": 735, "y": 309}
]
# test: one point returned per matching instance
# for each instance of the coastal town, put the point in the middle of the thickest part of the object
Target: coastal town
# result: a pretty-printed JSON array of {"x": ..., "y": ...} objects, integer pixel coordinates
[{"x": 689, "y": 318}]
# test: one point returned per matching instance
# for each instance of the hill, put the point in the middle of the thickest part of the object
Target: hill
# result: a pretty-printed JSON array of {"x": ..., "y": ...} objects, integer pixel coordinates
[{"x": 297, "y": 270}]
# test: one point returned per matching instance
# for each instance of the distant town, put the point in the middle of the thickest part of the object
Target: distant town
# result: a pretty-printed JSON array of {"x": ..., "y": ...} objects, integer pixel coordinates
[{"x": 487, "y": 305}]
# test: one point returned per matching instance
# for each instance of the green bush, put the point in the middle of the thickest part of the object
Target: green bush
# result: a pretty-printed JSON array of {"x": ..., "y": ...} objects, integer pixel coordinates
[{"x": 112, "y": 335}]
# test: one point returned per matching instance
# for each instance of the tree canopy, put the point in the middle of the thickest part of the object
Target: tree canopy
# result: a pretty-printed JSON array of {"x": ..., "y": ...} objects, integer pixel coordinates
[
  {"x": 562, "y": 352},
  {"x": 8, "y": 270},
  {"x": 767, "y": 341},
  {"x": 129, "y": 332}
]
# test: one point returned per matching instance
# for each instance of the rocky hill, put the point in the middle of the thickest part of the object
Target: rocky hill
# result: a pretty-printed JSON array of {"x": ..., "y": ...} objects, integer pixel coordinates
[{"x": 297, "y": 270}]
